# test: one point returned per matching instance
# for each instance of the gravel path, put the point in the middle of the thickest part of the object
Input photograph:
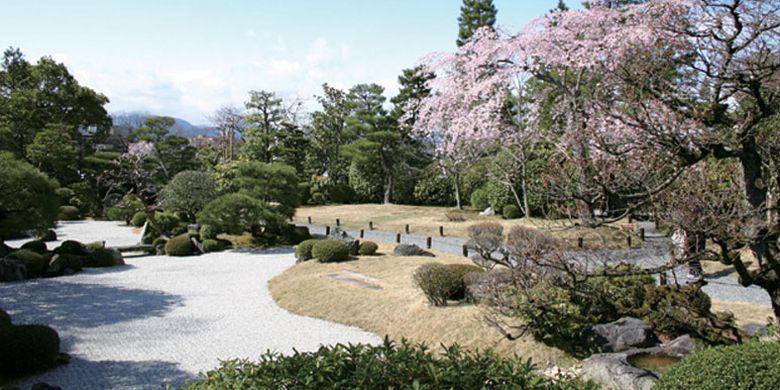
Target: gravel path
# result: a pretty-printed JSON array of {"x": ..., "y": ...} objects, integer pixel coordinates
[
  {"x": 162, "y": 320},
  {"x": 725, "y": 288}
]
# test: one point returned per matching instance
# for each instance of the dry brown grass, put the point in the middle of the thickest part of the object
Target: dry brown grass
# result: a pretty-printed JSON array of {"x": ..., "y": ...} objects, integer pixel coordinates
[
  {"x": 399, "y": 309},
  {"x": 425, "y": 220},
  {"x": 745, "y": 313}
]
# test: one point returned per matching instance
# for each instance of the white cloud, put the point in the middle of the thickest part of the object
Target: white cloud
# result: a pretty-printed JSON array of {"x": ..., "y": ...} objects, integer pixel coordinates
[
  {"x": 283, "y": 68},
  {"x": 251, "y": 33},
  {"x": 319, "y": 51}
]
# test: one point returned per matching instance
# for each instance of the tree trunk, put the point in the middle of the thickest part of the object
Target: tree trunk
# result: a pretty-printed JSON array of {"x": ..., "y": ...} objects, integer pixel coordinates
[
  {"x": 456, "y": 184},
  {"x": 388, "y": 188},
  {"x": 775, "y": 297},
  {"x": 524, "y": 187}
]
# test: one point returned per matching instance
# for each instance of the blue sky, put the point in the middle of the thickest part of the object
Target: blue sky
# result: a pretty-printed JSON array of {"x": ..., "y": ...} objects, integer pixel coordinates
[{"x": 187, "y": 58}]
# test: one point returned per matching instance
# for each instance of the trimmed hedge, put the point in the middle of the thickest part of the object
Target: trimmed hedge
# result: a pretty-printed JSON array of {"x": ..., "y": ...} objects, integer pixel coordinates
[
  {"x": 755, "y": 365},
  {"x": 368, "y": 248},
  {"x": 180, "y": 245},
  {"x": 330, "y": 251},
  {"x": 139, "y": 219},
  {"x": 5, "y": 319},
  {"x": 443, "y": 282},
  {"x": 100, "y": 257},
  {"x": 303, "y": 250},
  {"x": 208, "y": 232},
  {"x": 68, "y": 213},
  {"x": 26, "y": 349},
  {"x": 35, "y": 262},
  {"x": 36, "y": 246},
  {"x": 159, "y": 241},
  {"x": 210, "y": 245},
  {"x": 71, "y": 247},
  {"x": 48, "y": 236},
  {"x": 511, "y": 211},
  {"x": 385, "y": 366}
]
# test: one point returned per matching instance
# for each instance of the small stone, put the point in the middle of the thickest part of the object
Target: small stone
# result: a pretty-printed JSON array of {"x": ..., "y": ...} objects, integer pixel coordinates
[
  {"x": 755, "y": 329},
  {"x": 488, "y": 212},
  {"x": 622, "y": 335}
]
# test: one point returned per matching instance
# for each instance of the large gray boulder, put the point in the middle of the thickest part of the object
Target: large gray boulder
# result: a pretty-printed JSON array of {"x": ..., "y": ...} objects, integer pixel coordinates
[
  {"x": 12, "y": 270},
  {"x": 339, "y": 234},
  {"x": 411, "y": 250},
  {"x": 613, "y": 371},
  {"x": 680, "y": 347},
  {"x": 621, "y": 335},
  {"x": 60, "y": 264}
]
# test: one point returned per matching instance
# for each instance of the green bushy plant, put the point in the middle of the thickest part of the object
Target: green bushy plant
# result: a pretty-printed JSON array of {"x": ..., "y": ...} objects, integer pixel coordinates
[
  {"x": 755, "y": 365},
  {"x": 434, "y": 188},
  {"x": 34, "y": 261},
  {"x": 71, "y": 247},
  {"x": 385, "y": 366},
  {"x": 68, "y": 213},
  {"x": 139, "y": 219},
  {"x": 159, "y": 241},
  {"x": 188, "y": 192},
  {"x": 511, "y": 211},
  {"x": 36, "y": 246},
  {"x": 303, "y": 250},
  {"x": 167, "y": 222},
  {"x": 48, "y": 235},
  {"x": 329, "y": 251},
  {"x": 5, "y": 319},
  {"x": 479, "y": 199},
  {"x": 26, "y": 349},
  {"x": 461, "y": 272},
  {"x": 211, "y": 245},
  {"x": 368, "y": 248},
  {"x": 27, "y": 197},
  {"x": 441, "y": 282},
  {"x": 99, "y": 257},
  {"x": 207, "y": 232},
  {"x": 180, "y": 245}
]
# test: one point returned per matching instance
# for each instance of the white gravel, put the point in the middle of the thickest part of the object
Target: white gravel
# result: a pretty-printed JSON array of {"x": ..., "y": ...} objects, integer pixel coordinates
[{"x": 162, "y": 320}]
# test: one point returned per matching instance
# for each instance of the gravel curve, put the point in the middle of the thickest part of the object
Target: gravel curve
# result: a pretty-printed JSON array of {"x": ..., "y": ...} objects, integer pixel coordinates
[{"x": 163, "y": 320}]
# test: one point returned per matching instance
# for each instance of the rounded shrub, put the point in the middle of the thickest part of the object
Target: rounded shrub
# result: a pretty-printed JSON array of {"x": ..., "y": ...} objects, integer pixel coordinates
[
  {"x": 48, "y": 236},
  {"x": 166, "y": 221},
  {"x": 34, "y": 261},
  {"x": 5, "y": 319},
  {"x": 26, "y": 349},
  {"x": 100, "y": 257},
  {"x": 71, "y": 247},
  {"x": 68, "y": 213},
  {"x": 180, "y": 245},
  {"x": 479, "y": 199},
  {"x": 208, "y": 232},
  {"x": 303, "y": 250},
  {"x": 511, "y": 211},
  {"x": 35, "y": 246},
  {"x": 368, "y": 248},
  {"x": 329, "y": 251},
  {"x": 159, "y": 241},
  {"x": 755, "y": 365},
  {"x": 461, "y": 272},
  {"x": 211, "y": 245},
  {"x": 139, "y": 219},
  {"x": 440, "y": 282}
]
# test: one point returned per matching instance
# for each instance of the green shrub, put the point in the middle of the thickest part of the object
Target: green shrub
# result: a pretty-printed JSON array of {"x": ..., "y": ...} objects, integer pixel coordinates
[
  {"x": 35, "y": 262},
  {"x": 479, "y": 199},
  {"x": 139, "y": 219},
  {"x": 755, "y": 365},
  {"x": 511, "y": 211},
  {"x": 303, "y": 250},
  {"x": 385, "y": 366},
  {"x": 27, "y": 197},
  {"x": 159, "y": 241},
  {"x": 36, "y": 246},
  {"x": 71, "y": 247},
  {"x": 68, "y": 213},
  {"x": 207, "y": 232},
  {"x": 26, "y": 349},
  {"x": 368, "y": 248},
  {"x": 440, "y": 282},
  {"x": 166, "y": 222},
  {"x": 329, "y": 251},
  {"x": 5, "y": 319},
  {"x": 188, "y": 192},
  {"x": 461, "y": 272},
  {"x": 48, "y": 236},
  {"x": 210, "y": 245},
  {"x": 238, "y": 213},
  {"x": 100, "y": 257},
  {"x": 180, "y": 245}
]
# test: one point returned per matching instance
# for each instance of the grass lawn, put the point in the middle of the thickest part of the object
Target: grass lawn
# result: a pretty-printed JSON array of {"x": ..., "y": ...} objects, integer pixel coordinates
[
  {"x": 398, "y": 309},
  {"x": 425, "y": 220}
]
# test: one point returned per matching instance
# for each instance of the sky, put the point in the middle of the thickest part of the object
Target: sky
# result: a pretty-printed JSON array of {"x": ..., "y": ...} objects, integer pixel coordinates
[{"x": 186, "y": 58}]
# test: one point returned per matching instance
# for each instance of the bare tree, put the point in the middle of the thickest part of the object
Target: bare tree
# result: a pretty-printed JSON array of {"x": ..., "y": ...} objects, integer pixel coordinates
[{"x": 230, "y": 122}]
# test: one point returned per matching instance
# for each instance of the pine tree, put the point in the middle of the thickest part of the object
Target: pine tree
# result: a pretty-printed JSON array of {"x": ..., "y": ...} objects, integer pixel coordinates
[{"x": 473, "y": 15}]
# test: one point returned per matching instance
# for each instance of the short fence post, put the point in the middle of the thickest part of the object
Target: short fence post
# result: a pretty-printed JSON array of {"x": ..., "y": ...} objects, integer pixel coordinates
[
  {"x": 628, "y": 241},
  {"x": 441, "y": 231},
  {"x": 361, "y": 233},
  {"x": 291, "y": 218},
  {"x": 398, "y": 238},
  {"x": 327, "y": 230},
  {"x": 630, "y": 218},
  {"x": 580, "y": 242},
  {"x": 338, "y": 222},
  {"x": 465, "y": 251},
  {"x": 662, "y": 279},
  {"x": 309, "y": 220},
  {"x": 407, "y": 228},
  {"x": 642, "y": 234},
  {"x": 428, "y": 242},
  {"x": 370, "y": 225}
]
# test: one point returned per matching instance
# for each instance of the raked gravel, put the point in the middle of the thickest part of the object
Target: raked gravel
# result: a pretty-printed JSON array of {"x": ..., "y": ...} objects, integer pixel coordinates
[{"x": 163, "y": 320}]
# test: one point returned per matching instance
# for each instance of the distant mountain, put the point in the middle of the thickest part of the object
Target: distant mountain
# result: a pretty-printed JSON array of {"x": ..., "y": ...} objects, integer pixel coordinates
[{"x": 181, "y": 127}]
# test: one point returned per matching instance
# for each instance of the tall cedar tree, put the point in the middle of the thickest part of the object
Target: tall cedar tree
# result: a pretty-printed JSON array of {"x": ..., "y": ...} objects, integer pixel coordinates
[{"x": 475, "y": 14}]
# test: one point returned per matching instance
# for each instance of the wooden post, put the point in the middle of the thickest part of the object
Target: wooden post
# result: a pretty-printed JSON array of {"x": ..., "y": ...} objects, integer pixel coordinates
[
  {"x": 630, "y": 218},
  {"x": 361, "y": 233},
  {"x": 407, "y": 228},
  {"x": 465, "y": 251},
  {"x": 642, "y": 234},
  {"x": 338, "y": 222},
  {"x": 309, "y": 220},
  {"x": 370, "y": 225},
  {"x": 398, "y": 238},
  {"x": 662, "y": 279},
  {"x": 441, "y": 231},
  {"x": 580, "y": 242},
  {"x": 428, "y": 242},
  {"x": 327, "y": 230},
  {"x": 628, "y": 241}
]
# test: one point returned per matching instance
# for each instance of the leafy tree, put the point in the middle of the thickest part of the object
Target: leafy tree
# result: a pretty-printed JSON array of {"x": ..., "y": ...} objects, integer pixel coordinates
[
  {"x": 238, "y": 213},
  {"x": 125, "y": 209},
  {"x": 327, "y": 132},
  {"x": 172, "y": 153},
  {"x": 267, "y": 121},
  {"x": 54, "y": 152},
  {"x": 475, "y": 14},
  {"x": 27, "y": 197},
  {"x": 276, "y": 184},
  {"x": 188, "y": 192}
]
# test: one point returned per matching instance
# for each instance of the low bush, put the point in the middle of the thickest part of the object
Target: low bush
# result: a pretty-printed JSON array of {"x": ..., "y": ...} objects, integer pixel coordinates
[
  {"x": 330, "y": 251},
  {"x": 455, "y": 216},
  {"x": 755, "y": 365},
  {"x": 463, "y": 273},
  {"x": 36, "y": 246},
  {"x": 479, "y": 199},
  {"x": 385, "y": 366},
  {"x": 68, "y": 213},
  {"x": 5, "y": 319},
  {"x": 48, "y": 236},
  {"x": 208, "y": 232},
  {"x": 139, "y": 219},
  {"x": 438, "y": 282},
  {"x": 303, "y": 250},
  {"x": 114, "y": 214},
  {"x": 211, "y": 245},
  {"x": 34, "y": 261},
  {"x": 511, "y": 211},
  {"x": 26, "y": 349},
  {"x": 368, "y": 248},
  {"x": 100, "y": 257},
  {"x": 166, "y": 222},
  {"x": 180, "y": 245},
  {"x": 71, "y": 247}
]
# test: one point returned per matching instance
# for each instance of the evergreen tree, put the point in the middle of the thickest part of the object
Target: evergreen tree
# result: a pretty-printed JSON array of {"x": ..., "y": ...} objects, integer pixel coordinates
[{"x": 475, "y": 14}]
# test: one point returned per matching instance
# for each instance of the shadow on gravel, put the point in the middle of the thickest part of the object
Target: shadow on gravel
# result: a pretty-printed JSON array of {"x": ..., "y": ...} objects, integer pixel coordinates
[
  {"x": 110, "y": 374},
  {"x": 280, "y": 250},
  {"x": 65, "y": 305}
]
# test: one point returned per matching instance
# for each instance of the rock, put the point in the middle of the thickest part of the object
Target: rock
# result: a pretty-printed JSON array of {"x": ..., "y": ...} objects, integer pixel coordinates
[
  {"x": 411, "y": 250},
  {"x": 488, "y": 212},
  {"x": 12, "y": 270},
  {"x": 60, "y": 263},
  {"x": 338, "y": 233},
  {"x": 612, "y": 371},
  {"x": 680, "y": 347},
  {"x": 48, "y": 236},
  {"x": 117, "y": 256},
  {"x": 755, "y": 329},
  {"x": 621, "y": 335}
]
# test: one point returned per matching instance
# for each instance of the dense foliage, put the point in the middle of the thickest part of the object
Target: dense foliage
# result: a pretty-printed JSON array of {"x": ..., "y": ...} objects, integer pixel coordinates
[
  {"x": 238, "y": 213},
  {"x": 180, "y": 245},
  {"x": 443, "y": 282},
  {"x": 368, "y": 248},
  {"x": 188, "y": 192},
  {"x": 26, "y": 349},
  {"x": 27, "y": 197},
  {"x": 330, "y": 251},
  {"x": 303, "y": 250}
]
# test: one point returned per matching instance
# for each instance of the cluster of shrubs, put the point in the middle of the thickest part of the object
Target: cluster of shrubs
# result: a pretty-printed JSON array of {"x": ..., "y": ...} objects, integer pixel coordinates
[
  {"x": 331, "y": 251},
  {"x": 385, "y": 366},
  {"x": 27, "y": 349},
  {"x": 70, "y": 256},
  {"x": 444, "y": 282}
]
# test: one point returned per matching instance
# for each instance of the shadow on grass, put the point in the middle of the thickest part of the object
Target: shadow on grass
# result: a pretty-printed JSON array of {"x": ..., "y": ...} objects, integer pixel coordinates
[{"x": 279, "y": 250}]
